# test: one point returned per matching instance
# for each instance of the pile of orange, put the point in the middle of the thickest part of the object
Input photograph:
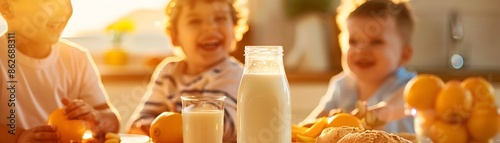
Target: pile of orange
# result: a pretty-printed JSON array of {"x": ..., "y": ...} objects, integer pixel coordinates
[
  {"x": 309, "y": 134},
  {"x": 454, "y": 112},
  {"x": 67, "y": 129}
]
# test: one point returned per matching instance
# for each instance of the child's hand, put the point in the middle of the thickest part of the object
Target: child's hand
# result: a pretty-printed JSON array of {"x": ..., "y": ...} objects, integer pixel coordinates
[
  {"x": 40, "y": 134},
  {"x": 391, "y": 110},
  {"x": 369, "y": 115},
  {"x": 78, "y": 109},
  {"x": 141, "y": 127}
]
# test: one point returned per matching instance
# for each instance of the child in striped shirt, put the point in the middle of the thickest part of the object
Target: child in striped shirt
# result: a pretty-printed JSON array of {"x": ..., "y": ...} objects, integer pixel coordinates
[{"x": 206, "y": 31}]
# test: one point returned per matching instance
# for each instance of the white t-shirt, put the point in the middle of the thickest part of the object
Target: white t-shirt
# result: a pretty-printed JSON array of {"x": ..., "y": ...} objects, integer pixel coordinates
[{"x": 41, "y": 83}]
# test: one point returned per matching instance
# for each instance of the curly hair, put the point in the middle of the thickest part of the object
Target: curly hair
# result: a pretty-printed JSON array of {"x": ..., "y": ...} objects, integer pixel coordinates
[{"x": 238, "y": 9}]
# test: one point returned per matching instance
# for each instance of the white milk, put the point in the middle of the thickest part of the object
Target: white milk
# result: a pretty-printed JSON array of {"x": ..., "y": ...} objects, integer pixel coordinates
[
  {"x": 203, "y": 126},
  {"x": 264, "y": 109}
]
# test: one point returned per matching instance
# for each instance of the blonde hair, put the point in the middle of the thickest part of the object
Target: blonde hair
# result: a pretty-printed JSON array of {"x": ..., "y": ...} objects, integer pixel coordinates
[{"x": 238, "y": 9}]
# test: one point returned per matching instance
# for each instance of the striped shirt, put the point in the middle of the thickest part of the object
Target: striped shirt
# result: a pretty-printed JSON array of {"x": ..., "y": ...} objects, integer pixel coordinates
[{"x": 169, "y": 83}]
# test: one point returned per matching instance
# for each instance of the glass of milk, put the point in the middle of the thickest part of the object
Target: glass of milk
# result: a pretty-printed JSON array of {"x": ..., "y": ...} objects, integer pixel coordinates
[{"x": 203, "y": 117}]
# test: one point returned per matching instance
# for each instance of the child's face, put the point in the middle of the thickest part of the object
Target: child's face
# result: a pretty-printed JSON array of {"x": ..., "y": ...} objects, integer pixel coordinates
[
  {"x": 376, "y": 49},
  {"x": 39, "y": 21},
  {"x": 205, "y": 32}
]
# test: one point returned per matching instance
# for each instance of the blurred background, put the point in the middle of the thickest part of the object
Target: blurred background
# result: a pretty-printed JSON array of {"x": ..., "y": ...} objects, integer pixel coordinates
[{"x": 453, "y": 39}]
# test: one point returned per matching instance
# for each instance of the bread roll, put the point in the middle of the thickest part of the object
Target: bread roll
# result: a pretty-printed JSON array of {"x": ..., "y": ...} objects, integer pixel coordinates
[
  {"x": 333, "y": 134},
  {"x": 372, "y": 136}
]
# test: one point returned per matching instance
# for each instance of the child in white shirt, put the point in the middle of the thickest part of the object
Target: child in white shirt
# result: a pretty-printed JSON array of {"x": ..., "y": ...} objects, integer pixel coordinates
[{"x": 40, "y": 73}]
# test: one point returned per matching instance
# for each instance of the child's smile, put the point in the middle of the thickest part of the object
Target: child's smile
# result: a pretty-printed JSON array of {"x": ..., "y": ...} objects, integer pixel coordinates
[
  {"x": 364, "y": 64},
  {"x": 210, "y": 43},
  {"x": 205, "y": 32},
  {"x": 56, "y": 27}
]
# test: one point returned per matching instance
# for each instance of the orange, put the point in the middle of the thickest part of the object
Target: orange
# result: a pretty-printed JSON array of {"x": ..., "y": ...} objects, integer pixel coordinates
[
  {"x": 480, "y": 89},
  {"x": 453, "y": 103},
  {"x": 297, "y": 130},
  {"x": 442, "y": 132},
  {"x": 485, "y": 141},
  {"x": 489, "y": 98},
  {"x": 421, "y": 91},
  {"x": 303, "y": 138},
  {"x": 316, "y": 129},
  {"x": 484, "y": 123},
  {"x": 344, "y": 119},
  {"x": 68, "y": 129},
  {"x": 167, "y": 128},
  {"x": 484, "y": 105}
]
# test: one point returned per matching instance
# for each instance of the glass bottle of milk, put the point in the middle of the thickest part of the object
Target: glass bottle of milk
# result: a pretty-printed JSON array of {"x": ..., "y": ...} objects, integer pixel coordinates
[{"x": 263, "y": 113}]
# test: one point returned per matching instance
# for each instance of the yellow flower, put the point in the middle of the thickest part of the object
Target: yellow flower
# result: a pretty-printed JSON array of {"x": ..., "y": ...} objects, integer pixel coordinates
[{"x": 121, "y": 26}]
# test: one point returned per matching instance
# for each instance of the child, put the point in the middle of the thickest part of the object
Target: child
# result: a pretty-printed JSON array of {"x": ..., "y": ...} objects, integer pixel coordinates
[
  {"x": 39, "y": 74},
  {"x": 206, "y": 31},
  {"x": 379, "y": 46}
]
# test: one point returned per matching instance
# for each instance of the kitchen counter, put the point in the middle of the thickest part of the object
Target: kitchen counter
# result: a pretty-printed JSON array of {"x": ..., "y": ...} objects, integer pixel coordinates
[{"x": 127, "y": 84}]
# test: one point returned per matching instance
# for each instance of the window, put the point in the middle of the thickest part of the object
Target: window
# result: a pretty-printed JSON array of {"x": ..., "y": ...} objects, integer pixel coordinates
[
  {"x": 95, "y": 15},
  {"x": 91, "y": 17}
]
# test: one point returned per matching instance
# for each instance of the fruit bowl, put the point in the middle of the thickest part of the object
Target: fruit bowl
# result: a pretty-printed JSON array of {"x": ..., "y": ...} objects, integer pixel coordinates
[{"x": 455, "y": 111}]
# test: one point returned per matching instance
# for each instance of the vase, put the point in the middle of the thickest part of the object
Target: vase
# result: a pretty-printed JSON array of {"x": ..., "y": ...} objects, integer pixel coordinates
[{"x": 116, "y": 55}]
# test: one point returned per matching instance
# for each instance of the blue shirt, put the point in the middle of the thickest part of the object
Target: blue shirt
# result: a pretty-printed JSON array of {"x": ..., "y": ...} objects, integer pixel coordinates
[{"x": 342, "y": 94}]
